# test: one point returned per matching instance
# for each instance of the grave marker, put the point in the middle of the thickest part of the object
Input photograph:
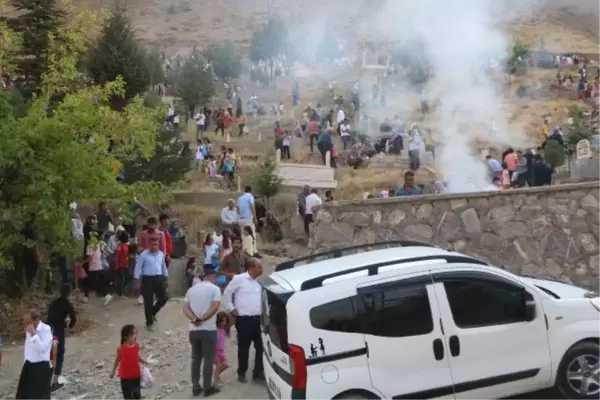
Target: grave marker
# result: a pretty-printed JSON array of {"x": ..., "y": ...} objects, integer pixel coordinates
[{"x": 584, "y": 150}]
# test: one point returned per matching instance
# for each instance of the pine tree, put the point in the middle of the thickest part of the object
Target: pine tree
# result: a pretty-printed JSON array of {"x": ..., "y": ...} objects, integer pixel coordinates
[
  {"x": 267, "y": 182},
  {"x": 225, "y": 62},
  {"x": 168, "y": 164},
  {"x": 36, "y": 20},
  {"x": 193, "y": 82},
  {"x": 120, "y": 53}
]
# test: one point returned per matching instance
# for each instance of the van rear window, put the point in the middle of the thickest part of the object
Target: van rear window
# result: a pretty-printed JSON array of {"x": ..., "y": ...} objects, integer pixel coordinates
[{"x": 275, "y": 319}]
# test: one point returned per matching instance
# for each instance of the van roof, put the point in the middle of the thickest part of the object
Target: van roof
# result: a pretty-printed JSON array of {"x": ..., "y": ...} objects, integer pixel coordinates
[{"x": 296, "y": 276}]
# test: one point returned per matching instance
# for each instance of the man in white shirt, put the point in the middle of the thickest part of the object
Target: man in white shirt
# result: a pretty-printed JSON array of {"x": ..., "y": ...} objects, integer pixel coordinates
[
  {"x": 312, "y": 200},
  {"x": 230, "y": 215},
  {"x": 415, "y": 142},
  {"x": 341, "y": 116},
  {"x": 202, "y": 302},
  {"x": 242, "y": 299},
  {"x": 34, "y": 382},
  {"x": 345, "y": 133},
  {"x": 200, "y": 118}
]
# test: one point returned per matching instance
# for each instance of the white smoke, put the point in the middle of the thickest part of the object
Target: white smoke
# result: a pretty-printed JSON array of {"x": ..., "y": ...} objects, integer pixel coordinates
[{"x": 459, "y": 39}]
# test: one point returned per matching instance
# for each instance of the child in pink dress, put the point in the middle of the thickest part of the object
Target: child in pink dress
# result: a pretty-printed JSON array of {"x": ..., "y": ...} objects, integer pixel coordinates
[{"x": 220, "y": 349}]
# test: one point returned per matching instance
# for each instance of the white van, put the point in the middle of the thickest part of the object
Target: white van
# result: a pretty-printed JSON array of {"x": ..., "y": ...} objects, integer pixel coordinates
[{"x": 415, "y": 321}]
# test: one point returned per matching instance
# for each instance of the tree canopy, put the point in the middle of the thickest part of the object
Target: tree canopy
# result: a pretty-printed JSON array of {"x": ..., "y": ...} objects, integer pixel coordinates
[
  {"x": 193, "y": 82},
  {"x": 49, "y": 159},
  {"x": 118, "y": 52},
  {"x": 35, "y": 22},
  {"x": 225, "y": 62},
  {"x": 167, "y": 165},
  {"x": 271, "y": 41}
]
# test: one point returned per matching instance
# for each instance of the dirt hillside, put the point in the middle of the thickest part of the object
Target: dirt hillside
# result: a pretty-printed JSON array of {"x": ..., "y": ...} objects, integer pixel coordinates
[{"x": 178, "y": 25}]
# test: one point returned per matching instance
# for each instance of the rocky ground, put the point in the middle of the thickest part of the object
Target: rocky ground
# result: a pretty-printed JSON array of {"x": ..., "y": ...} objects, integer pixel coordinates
[{"x": 89, "y": 357}]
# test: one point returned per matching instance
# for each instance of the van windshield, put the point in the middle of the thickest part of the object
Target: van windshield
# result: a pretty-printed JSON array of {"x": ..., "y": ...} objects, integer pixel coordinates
[{"x": 275, "y": 319}]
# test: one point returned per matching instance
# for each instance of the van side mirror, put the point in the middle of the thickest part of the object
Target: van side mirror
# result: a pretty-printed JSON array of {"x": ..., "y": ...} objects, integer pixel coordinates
[{"x": 530, "y": 310}]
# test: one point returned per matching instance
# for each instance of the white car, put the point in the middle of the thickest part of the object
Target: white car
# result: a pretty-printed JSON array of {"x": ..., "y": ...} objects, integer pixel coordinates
[{"x": 415, "y": 321}]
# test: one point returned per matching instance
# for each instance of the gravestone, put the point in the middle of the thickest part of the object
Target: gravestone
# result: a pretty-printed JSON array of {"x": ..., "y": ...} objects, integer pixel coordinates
[{"x": 584, "y": 150}]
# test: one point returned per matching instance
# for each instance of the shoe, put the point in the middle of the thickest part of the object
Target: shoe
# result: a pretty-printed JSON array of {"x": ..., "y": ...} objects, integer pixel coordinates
[
  {"x": 107, "y": 299},
  {"x": 150, "y": 328},
  {"x": 210, "y": 391},
  {"x": 196, "y": 391},
  {"x": 140, "y": 300},
  {"x": 56, "y": 387},
  {"x": 84, "y": 300},
  {"x": 258, "y": 377},
  {"x": 242, "y": 378},
  {"x": 154, "y": 319}
]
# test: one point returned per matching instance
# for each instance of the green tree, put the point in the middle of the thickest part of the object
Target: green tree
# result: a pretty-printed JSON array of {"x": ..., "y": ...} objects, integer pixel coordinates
[
  {"x": 266, "y": 182},
  {"x": 155, "y": 67},
  {"x": 36, "y": 20},
  {"x": 193, "y": 82},
  {"x": 224, "y": 60},
  {"x": 554, "y": 153},
  {"x": 50, "y": 159},
  {"x": 272, "y": 40},
  {"x": 518, "y": 51},
  {"x": 167, "y": 165},
  {"x": 578, "y": 130},
  {"x": 118, "y": 52}
]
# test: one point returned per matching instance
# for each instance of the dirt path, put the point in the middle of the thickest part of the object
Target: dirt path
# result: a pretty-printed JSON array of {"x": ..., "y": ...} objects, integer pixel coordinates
[{"x": 89, "y": 357}]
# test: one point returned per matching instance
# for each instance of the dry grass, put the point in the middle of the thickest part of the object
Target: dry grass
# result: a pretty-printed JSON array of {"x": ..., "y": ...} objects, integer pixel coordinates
[
  {"x": 557, "y": 38},
  {"x": 354, "y": 183}
]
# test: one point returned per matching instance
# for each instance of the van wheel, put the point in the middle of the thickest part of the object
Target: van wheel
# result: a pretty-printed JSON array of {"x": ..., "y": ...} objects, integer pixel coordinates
[
  {"x": 579, "y": 373},
  {"x": 355, "y": 396}
]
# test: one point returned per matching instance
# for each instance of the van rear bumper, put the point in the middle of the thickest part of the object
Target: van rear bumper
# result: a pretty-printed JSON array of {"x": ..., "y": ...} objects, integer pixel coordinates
[{"x": 278, "y": 383}]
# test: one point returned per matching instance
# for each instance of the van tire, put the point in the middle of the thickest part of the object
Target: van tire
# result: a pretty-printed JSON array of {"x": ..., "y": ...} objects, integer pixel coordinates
[
  {"x": 356, "y": 395},
  {"x": 586, "y": 349}
]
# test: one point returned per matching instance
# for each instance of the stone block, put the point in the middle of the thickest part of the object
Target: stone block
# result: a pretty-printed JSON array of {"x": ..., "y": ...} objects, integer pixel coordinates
[
  {"x": 471, "y": 221},
  {"x": 177, "y": 281}
]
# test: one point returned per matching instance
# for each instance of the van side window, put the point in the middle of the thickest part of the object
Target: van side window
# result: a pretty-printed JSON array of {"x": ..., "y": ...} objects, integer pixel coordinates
[
  {"x": 479, "y": 302},
  {"x": 339, "y": 315},
  {"x": 398, "y": 312}
]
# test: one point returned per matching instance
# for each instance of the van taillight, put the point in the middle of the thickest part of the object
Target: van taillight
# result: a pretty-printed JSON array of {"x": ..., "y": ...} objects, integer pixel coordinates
[{"x": 298, "y": 362}]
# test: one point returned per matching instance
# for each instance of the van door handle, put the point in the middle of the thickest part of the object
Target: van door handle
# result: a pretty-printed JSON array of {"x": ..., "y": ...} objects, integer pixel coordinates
[
  {"x": 438, "y": 349},
  {"x": 454, "y": 344}
]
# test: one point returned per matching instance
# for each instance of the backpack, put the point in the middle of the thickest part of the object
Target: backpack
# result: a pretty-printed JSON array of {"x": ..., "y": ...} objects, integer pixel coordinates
[
  {"x": 228, "y": 165},
  {"x": 204, "y": 150}
]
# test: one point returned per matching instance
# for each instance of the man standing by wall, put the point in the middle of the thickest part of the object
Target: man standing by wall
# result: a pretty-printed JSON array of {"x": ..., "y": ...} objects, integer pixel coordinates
[
  {"x": 151, "y": 274},
  {"x": 246, "y": 209},
  {"x": 202, "y": 302},
  {"x": 242, "y": 299}
]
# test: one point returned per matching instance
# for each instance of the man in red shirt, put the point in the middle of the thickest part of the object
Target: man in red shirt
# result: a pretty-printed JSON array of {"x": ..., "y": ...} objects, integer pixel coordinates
[
  {"x": 313, "y": 129},
  {"x": 164, "y": 228},
  {"x": 144, "y": 239},
  {"x": 279, "y": 135}
]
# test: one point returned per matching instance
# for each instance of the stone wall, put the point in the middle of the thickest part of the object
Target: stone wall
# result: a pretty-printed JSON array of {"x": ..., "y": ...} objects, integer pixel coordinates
[{"x": 546, "y": 232}]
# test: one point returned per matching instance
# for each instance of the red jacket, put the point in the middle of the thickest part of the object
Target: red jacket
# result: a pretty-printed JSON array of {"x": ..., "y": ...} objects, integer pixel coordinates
[{"x": 168, "y": 243}]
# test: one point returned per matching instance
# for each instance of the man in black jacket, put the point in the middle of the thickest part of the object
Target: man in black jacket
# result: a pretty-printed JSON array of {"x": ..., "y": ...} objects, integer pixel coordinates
[{"x": 60, "y": 314}]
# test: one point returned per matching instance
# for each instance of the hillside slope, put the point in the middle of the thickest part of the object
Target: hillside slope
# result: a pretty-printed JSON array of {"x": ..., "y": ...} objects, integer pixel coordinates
[{"x": 178, "y": 25}]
